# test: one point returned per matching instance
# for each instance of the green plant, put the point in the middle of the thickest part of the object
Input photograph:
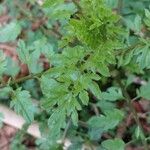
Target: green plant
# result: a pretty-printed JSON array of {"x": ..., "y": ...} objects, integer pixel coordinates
[{"x": 95, "y": 45}]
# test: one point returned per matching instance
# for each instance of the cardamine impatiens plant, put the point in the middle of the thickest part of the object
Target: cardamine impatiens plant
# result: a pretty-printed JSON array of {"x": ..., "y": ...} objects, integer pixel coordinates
[{"x": 95, "y": 51}]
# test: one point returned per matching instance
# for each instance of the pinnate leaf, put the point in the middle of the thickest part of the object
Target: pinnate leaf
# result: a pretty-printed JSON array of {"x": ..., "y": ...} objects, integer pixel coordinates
[
  {"x": 3, "y": 63},
  {"x": 112, "y": 94},
  {"x": 94, "y": 88},
  {"x": 10, "y": 32},
  {"x": 145, "y": 91},
  {"x": 1, "y": 118},
  {"x": 22, "y": 104},
  {"x": 116, "y": 144},
  {"x": 84, "y": 97},
  {"x": 49, "y": 3},
  {"x": 107, "y": 121}
]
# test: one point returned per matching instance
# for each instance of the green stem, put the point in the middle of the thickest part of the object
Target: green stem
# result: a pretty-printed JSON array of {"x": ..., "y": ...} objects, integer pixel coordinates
[
  {"x": 66, "y": 130},
  {"x": 31, "y": 76},
  {"x": 95, "y": 108},
  {"x": 136, "y": 118},
  {"x": 83, "y": 124}
]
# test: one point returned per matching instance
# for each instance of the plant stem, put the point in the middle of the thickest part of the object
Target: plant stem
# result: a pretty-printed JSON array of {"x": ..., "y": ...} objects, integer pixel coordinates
[
  {"x": 83, "y": 124},
  {"x": 95, "y": 108},
  {"x": 136, "y": 118},
  {"x": 31, "y": 76},
  {"x": 66, "y": 130}
]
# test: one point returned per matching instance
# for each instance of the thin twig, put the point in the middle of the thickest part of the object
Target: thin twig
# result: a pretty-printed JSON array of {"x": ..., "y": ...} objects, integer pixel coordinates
[
  {"x": 31, "y": 76},
  {"x": 83, "y": 124},
  {"x": 66, "y": 130},
  {"x": 95, "y": 108},
  {"x": 135, "y": 115}
]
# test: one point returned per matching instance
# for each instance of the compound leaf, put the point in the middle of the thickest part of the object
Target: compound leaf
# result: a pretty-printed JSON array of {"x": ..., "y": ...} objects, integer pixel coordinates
[{"x": 22, "y": 104}]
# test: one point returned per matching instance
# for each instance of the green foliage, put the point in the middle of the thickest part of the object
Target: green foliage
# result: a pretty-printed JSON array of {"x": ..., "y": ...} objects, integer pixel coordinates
[
  {"x": 4, "y": 93},
  {"x": 58, "y": 10},
  {"x": 109, "y": 120},
  {"x": 91, "y": 47},
  {"x": 10, "y": 32},
  {"x": 49, "y": 3},
  {"x": 22, "y": 104},
  {"x": 1, "y": 118},
  {"x": 56, "y": 122},
  {"x": 147, "y": 18},
  {"x": 2, "y": 63},
  {"x": 135, "y": 25},
  {"x": 113, "y": 144},
  {"x": 138, "y": 133},
  {"x": 84, "y": 97},
  {"x": 12, "y": 67},
  {"x": 112, "y": 94},
  {"x": 143, "y": 55},
  {"x": 144, "y": 91},
  {"x": 30, "y": 54},
  {"x": 112, "y": 3}
]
